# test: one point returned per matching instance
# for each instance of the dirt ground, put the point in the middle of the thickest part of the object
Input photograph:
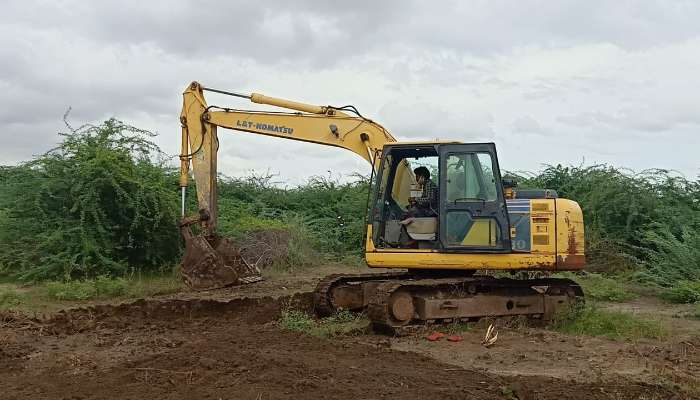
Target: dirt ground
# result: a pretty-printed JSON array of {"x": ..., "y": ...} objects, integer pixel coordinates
[{"x": 225, "y": 344}]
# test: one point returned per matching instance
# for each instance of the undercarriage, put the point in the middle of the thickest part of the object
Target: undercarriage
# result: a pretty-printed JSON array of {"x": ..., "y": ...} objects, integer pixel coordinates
[{"x": 397, "y": 302}]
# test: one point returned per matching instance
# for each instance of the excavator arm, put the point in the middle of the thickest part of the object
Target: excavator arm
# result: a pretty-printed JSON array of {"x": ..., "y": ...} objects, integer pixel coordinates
[
  {"x": 325, "y": 125},
  {"x": 211, "y": 261}
]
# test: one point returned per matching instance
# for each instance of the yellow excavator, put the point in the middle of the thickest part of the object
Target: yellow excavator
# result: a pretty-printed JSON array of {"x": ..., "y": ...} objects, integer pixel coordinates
[{"x": 476, "y": 220}]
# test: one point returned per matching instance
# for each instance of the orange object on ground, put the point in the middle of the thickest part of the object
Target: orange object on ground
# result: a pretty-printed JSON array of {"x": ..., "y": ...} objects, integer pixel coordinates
[{"x": 455, "y": 338}]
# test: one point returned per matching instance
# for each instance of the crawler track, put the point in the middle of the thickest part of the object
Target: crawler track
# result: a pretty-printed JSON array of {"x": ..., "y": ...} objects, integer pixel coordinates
[
  {"x": 400, "y": 303},
  {"x": 555, "y": 294},
  {"x": 323, "y": 299}
]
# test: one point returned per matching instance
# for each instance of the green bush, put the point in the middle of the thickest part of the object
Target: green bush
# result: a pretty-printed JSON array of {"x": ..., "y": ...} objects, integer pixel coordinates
[
  {"x": 99, "y": 203},
  {"x": 671, "y": 258},
  {"x": 324, "y": 215},
  {"x": 645, "y": 222},
  {"x": 683, "y": 292},
  {"x": 105, "y": 202},
  {"x": 282, "y": 244}
]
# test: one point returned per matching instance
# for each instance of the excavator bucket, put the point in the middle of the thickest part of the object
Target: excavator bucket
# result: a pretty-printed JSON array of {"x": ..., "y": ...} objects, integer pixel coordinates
[{"x": 214, "y": 262}]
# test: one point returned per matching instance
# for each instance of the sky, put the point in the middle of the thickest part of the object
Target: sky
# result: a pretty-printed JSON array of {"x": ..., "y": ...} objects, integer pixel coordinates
[{"x": 566, "y": 82}]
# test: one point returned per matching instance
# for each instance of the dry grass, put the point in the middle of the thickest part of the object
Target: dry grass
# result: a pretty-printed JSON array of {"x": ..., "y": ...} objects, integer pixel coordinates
[{"x": 53, "y": 296}]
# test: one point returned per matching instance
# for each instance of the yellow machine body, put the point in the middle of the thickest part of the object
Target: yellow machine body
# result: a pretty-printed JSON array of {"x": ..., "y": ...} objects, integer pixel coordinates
[
  {"x": 545, "y": 233},
  {"x": 556, "y": 237}
]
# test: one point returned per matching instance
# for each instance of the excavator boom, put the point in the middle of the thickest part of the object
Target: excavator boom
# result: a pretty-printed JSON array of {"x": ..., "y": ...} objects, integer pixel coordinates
[{"x": 211, "y": 261}]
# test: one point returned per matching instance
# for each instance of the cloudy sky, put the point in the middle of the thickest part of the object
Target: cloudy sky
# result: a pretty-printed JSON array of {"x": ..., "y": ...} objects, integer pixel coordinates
[{"x": 572, "y": 82}]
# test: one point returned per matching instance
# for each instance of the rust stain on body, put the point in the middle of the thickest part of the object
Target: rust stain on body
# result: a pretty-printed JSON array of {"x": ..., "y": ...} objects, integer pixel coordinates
[
  {"x": 571, "y": 261},
  {"x": 572, "y": 244}
]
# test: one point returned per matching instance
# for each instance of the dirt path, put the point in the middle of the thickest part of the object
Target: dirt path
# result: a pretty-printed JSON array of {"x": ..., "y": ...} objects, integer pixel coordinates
[
  {"x": 205, "y": 345},
  {"x": 674, "y": 316},
  {"x": 538, "y": 352},
  {"x": 207, "y": 349},
  {"x": 277, "y": 285}
]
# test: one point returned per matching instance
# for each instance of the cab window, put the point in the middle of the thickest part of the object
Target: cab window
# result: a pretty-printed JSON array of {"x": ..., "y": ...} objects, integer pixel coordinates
[
  {"x": 470, "y": 177},
  {"x": 395, "y": 184}
]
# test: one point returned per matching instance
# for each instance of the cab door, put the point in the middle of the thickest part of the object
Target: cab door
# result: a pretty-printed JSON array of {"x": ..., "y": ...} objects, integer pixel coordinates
[{"x": 473, "y": 214}]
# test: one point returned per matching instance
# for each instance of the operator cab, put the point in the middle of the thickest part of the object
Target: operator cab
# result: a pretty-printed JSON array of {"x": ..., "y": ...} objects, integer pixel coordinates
[{"x": 469, "y": 215}]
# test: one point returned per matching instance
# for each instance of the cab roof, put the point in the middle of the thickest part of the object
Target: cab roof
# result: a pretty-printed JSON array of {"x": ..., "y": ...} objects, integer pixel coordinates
[{"x": 425, "y": 142}]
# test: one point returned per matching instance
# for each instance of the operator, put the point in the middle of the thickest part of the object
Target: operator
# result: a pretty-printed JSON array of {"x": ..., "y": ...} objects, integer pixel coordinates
[{"x": 427, "y": 204}]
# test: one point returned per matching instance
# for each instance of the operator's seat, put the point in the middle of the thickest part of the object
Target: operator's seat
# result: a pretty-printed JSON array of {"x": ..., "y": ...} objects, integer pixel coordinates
[{"x": 423, "y": 228}]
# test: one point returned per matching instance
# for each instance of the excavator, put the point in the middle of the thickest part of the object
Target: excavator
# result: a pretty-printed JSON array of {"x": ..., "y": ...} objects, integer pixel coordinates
[{"x": 480, "y": 221}]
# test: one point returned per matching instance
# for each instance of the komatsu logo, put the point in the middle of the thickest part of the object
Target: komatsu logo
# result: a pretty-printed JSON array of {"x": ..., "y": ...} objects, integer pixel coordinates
[{"x": 264, "y": 127}]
